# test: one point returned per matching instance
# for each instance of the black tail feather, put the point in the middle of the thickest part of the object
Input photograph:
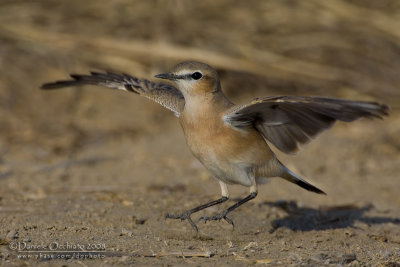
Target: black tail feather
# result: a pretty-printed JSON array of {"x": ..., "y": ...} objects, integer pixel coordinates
[
  {"x": 309, "y": 187},
  {"x": 293, "y": 178}
]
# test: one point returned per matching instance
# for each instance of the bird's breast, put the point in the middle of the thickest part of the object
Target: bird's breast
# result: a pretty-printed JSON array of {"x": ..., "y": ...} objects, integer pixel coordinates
[{"x": 211, "y": 140}]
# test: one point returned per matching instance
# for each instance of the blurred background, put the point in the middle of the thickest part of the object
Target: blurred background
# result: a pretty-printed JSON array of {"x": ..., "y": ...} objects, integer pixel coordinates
[
  {"x": 346, "y": 49},
  {"x": 96, "y": 152}
]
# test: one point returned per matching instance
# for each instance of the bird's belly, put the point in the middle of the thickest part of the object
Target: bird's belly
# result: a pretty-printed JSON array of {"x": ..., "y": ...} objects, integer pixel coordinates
[
  {"x": 229, "y": 155},
  {"x": 227, "y": 172}
]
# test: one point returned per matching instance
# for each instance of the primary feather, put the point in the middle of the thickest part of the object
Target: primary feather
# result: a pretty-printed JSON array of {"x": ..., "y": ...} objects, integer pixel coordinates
[
  {"x": 162, "y": 93},
  {"x": 290, "y": 121}
]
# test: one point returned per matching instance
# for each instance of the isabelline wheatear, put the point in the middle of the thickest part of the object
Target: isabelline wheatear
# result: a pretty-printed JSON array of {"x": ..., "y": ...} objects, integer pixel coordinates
[{"x": 231, "y": 141}]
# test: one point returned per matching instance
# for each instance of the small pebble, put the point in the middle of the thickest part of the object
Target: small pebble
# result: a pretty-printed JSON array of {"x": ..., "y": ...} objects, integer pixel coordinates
[{"x": 12, "y": 235}]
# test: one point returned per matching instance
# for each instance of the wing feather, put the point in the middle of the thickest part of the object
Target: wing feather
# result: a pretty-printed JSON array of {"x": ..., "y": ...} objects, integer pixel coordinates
[
  {"x": 290, "y": 121},
  {"x": 162, "y": 93}
]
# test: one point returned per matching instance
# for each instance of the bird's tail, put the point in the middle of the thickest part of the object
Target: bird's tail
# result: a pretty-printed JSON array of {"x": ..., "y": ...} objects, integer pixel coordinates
[{"x": 291, "y": 177}]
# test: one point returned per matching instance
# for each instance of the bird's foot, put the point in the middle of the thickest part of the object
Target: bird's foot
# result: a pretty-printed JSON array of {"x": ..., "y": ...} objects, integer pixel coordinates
[
  {"x": 218, "y": 217},
  {"x": 184, "y": 216}
]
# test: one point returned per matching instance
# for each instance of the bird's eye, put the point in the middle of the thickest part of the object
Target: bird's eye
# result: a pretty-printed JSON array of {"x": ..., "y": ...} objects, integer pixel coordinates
[{"x": 197, "y": 75}]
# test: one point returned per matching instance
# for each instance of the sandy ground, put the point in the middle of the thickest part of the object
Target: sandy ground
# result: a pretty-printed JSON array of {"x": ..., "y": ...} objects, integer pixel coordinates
[{"x": 97, "y": 170}]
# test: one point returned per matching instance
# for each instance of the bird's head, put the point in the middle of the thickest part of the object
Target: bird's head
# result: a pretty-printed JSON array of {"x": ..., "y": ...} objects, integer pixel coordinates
[{"x": 193, "y": 78}]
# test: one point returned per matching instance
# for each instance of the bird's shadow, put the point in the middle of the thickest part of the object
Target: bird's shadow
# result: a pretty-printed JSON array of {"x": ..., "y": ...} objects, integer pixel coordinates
[{"x": 332, "y": 217}]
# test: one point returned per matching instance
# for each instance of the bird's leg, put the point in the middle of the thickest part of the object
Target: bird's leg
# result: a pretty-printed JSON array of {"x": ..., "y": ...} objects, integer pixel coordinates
[
  {"x": 222, "y": 215},
  {"x": 186, "y": 215}
]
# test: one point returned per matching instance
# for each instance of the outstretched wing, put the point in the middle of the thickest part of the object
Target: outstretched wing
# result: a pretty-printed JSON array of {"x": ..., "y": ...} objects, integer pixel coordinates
[
  {"x": 289, "y": 121},
  {"x": 162, "y": 93}
]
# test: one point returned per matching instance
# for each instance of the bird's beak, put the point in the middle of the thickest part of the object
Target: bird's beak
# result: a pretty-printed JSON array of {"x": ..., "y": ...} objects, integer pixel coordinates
[{"x": 167, "y": 76}]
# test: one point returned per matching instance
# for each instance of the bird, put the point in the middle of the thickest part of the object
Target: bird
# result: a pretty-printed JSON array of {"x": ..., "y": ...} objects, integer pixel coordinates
[{"x": 233, "y": 142}]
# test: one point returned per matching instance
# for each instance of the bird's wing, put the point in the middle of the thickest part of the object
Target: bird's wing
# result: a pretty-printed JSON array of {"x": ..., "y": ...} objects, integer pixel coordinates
[
  {"x": 290, "y": 121},
  {"x": 162, "y": 93}
]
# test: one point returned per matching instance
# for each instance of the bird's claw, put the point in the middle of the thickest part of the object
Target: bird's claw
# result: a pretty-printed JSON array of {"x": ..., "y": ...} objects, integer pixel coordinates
[
  {"x": 218, "y": 217},
  {"x": 184, "y": 216}
]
